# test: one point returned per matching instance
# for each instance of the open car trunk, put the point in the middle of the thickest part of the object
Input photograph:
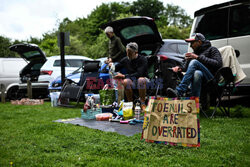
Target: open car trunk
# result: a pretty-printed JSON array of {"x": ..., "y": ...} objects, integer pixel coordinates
[
  {"x": 36, "y": 58},
  {"x": 141, "y": 30}
]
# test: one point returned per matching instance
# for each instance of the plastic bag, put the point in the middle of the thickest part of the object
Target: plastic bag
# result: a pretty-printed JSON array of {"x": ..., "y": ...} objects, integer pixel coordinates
[
  {"x": 107, "y": 96},
  {"x": 127, "y": 110}
]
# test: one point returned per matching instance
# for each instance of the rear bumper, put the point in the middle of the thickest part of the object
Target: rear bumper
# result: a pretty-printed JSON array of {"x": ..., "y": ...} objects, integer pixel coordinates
[{"x": 34, "y": 85}]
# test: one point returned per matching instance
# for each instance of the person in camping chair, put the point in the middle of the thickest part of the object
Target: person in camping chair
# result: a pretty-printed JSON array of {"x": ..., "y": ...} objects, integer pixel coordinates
[
  {"x": 137, "y": 73},
  {"x": 200, "y": 66}
]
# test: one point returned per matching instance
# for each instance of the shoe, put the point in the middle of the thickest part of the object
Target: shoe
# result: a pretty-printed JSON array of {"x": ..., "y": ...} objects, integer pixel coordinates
[{"x": 172, "y": 93}]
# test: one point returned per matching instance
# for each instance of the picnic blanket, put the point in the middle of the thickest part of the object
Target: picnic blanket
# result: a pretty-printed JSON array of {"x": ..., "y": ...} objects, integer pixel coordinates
[{"x": 122, "y": 129}]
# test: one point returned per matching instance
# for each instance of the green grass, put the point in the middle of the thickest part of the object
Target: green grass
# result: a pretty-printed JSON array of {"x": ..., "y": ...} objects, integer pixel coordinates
[{"x": 28, "y": 137}]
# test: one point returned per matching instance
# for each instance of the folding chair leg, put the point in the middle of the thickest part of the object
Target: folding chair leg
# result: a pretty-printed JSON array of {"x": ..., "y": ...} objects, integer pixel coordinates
[
  {"x": 218, "y": 103},
  {"x": 203, "y": 112}
]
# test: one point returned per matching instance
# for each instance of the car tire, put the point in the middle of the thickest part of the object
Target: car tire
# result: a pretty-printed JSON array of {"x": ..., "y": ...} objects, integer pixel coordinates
[{"x": 14, "y": 93}]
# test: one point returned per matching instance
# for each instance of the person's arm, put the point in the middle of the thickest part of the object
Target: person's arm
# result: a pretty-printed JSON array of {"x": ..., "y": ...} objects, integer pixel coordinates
[{"x": 213, "y": 60}]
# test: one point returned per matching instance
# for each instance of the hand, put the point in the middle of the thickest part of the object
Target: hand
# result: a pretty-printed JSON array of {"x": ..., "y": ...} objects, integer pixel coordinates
[
  {"x": 110, "y": 64},
  {"x": 191, "y": 56},
  {"x": 176, "y": 69},
  {"x": 119, "y": 76},
  {"x": 109, "y": 60}
]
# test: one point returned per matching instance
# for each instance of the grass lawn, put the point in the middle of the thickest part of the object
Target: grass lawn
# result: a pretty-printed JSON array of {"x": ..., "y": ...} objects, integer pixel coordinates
[{"x": 28, "y": 137}]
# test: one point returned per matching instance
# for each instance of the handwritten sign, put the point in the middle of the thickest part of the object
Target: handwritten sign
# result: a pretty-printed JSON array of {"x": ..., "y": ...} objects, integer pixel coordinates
[{"x": 172, "y": 121}]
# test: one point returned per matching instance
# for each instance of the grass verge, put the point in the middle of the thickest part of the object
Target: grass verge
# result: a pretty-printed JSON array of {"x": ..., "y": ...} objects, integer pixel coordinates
[{"x": 28, "y": 137}]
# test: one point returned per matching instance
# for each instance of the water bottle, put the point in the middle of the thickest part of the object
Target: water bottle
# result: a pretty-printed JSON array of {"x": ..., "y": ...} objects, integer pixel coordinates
[{"x": 137, "y": 111}]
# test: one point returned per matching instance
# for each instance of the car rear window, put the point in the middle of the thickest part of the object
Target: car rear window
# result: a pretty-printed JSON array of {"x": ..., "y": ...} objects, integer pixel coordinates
[
  {"x": 138, "y": 30},
  {"x": 183, "y": 48},
  {"x": 31, "y": 54},
  {"x": 69, "y": 63},
  {"x": 37, "y": 66}
]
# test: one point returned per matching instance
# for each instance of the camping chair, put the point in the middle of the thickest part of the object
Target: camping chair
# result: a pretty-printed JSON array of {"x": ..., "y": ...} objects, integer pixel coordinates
[
  {"x": 224, "y": 86},
  {"x": 72, "y": 90}
]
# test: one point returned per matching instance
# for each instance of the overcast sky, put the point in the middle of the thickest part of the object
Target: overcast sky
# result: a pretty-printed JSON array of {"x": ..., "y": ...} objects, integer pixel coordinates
[{"x": 20, "y": 19}]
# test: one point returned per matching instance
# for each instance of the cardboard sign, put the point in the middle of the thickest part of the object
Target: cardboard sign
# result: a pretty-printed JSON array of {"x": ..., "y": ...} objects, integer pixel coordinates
[{"x": 172, "y": 121}]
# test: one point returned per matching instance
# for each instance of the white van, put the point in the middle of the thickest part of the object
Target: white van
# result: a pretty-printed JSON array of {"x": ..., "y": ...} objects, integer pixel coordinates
[
  {"x": 228, "y": 24},
  {"x": 9, "y": 74}
]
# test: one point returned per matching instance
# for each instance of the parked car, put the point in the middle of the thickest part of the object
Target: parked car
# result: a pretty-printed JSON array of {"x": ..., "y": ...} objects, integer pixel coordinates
[
  {"x": 173, "y": 49},
  {"x": 9, "y": 75},
  {"x": 228, "y": 24},
  {"x": 56, "y": 84},
  {"x": 36, "y": 58},
  {"x": 52, "y": 68}
]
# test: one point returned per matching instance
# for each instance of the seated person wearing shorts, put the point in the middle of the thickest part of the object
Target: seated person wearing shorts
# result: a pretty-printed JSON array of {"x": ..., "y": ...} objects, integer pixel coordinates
[{"x": 137, "y": 73}]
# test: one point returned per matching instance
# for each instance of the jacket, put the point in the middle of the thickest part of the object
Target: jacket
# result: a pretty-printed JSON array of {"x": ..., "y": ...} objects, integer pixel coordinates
[
  {"x": 209, "y": 56},
  {"x": 116, "y": 49},
  {"x": 135, "y": 68}
]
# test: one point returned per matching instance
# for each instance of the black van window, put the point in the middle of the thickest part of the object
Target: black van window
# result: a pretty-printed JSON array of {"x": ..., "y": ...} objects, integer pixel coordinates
[
  {"x": 213, "y": 24},
  {"x": 240, "y": 20}
]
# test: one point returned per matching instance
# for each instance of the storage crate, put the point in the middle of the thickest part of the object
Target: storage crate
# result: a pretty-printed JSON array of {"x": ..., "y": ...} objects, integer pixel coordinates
[{"x": 90, "y": 114}]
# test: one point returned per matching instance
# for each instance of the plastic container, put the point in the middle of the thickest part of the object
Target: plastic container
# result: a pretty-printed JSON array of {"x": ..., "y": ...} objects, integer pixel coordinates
[
  {"x": 103, "y": 116},
  {"x": 90, "y": 114},
  {"x": 54, "y": 98},
  {"x": 137, "y": 111}
]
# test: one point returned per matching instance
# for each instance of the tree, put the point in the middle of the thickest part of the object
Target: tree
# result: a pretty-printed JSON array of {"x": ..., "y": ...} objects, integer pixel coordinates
[
  {"x": 173, "y": 32},
  {"x": 176, "y": 16},
  {"x": 151, "y": 8},
  {"x": 98, "y": 49},
  {"x": 5, "y": 43}
]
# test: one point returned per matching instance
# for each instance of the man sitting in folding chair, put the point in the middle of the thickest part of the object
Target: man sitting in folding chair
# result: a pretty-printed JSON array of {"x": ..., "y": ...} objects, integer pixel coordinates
[
  {"x": 137, "y": 73},
  {"x": 200, "y": 66}
]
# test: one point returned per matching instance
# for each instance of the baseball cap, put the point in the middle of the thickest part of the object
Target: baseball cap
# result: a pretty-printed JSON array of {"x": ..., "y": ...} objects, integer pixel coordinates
[
  {"x": 108, "y": 29},
  {"x": 133, "y": 46},
  {"x": 196, "y": 37}
]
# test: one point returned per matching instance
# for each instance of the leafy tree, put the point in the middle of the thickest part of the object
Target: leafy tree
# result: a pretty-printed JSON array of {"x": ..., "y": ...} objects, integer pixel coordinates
[
  {"x": 173, "y": 32},
  {"x": 49, "y": 44},
  {"x": 177, "y": 16},
  {"x": 151, "y": 8},
  {"x": 34, "y": 40},
  {"x": 98, "y": 49},
  {"x": 5, "y": 43},
  {"x": 75, "y": 47}
]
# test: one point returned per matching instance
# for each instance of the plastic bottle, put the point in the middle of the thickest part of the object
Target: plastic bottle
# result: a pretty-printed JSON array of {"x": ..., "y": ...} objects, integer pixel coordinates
[{"x": 137, "y": 111}]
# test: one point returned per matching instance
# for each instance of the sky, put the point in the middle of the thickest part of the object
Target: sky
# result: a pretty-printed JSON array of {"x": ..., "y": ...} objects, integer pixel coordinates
[{"x": 22, "y": 19}]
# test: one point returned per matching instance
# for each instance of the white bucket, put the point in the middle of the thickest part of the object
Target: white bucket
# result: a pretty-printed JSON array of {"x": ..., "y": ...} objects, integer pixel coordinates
[{"x": 54, "y": 98}]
